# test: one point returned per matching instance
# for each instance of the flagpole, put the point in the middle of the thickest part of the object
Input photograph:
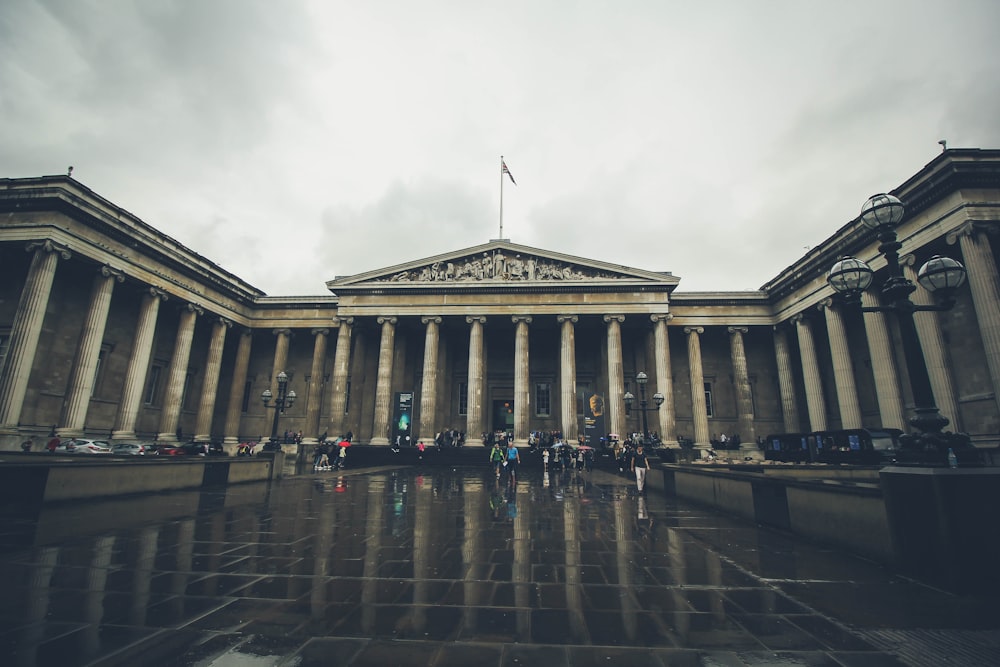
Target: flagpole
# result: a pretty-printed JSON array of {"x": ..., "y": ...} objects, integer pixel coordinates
[{"x": 501, "y": 198}]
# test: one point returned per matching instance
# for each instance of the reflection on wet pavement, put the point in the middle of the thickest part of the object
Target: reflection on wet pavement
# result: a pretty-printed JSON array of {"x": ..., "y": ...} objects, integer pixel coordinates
[{"x": 452, "y": 567}]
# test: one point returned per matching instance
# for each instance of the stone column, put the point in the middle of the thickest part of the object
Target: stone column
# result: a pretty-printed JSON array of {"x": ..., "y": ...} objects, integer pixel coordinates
[
  {"x": 311, "y": 436},
  {"x": 474, "y": 407},
  {"x": 984, "y": 284},
  {"x": 138, "y": 365},
  {"x": 744, "y": 400},
  {"x": 810, "y": 374},
  {"x": 81, "y": 384},
  {"x": 664, "y": 380},
  {"x": 237, "y": 390},
  {"x": 283, "y": 338},
  {"x": 429, "y": 386},
  {"x": 890, "y": 400},
  {"x": 567, "y": 376},
  {"x": 25, "y": 330},
  {"x": 935, "y": 351},
  {"x": 170, "y": 417},
  {"x": 210, "y": 387},
  {"x": 616, "y": 376},
  {"x": 699, "y": 410},
  {"x": 338, "y": 384},
  {"x": 786, "y": 381},
  {"x": 522, "y": 379},
  {"x": 383, "y": 385},
  {"x": 843, "y": 370}
]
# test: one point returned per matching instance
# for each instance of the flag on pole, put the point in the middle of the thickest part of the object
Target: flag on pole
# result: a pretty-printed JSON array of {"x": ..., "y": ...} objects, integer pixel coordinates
[{"x": 507, "y": 171}]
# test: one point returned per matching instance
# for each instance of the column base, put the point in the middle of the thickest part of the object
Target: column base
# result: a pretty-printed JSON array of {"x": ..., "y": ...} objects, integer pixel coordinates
[
  {"x": 123, "y": 436},
  {"x": 166, "y": 437}
]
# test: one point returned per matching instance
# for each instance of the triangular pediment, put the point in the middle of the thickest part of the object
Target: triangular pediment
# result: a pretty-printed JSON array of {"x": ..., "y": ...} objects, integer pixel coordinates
[{"x": 500, "y": 263}]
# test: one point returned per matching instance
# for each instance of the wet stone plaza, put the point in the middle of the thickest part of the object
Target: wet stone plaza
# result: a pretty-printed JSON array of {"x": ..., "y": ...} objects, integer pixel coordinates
[{"x": 450, "y": 566}]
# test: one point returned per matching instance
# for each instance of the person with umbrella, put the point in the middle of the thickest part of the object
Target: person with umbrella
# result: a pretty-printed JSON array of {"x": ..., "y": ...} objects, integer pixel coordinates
[{"x": 342, "y": 456}]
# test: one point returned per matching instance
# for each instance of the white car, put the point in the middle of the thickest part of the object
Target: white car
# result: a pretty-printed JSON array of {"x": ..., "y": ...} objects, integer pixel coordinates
[
  {"x": 84, "y": 446},
  {"x": 131, "y": 449}
]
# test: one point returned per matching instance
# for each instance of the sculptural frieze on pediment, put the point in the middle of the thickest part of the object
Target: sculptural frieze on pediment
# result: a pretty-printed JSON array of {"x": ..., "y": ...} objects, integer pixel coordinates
[{"x": 497, "y": 267}]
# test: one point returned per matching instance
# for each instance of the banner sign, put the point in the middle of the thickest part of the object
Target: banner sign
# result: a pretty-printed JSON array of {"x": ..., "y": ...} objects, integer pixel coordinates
[
  {"x": 593, "y": 419},
  {"x": 403, "y": 418}
]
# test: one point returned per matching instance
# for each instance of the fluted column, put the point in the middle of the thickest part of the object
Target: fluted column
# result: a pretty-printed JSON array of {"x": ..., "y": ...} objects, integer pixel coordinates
[
  {"x": 890, "y": 400},
  {"x": 699, "y": 410},
  {"x": 810, "y": 374},
  {"x": 338, "y": 383},
  {"x": 984, "y": 284},
  {"x": 843, "y": 370},
  {"x": 567, "y": 376},
  {"x": 741, "y": 378},
  {"x": 383, "y": 385},
  {"x": 170, "y": 417},
  {"x": 475, "y": 388},
  {"x": 25, "y": 330},
  {"x": 522, "y": 377},
  {"x": 237, "y": 389},
  {"x": 786, "y": 381},
  {"x": 138, "y": 365},
  {"x": 616, "y": 375},
  {"x": 210, "y": 387},
  {"x": 81, "y": 384},
  {"x": 429, "y": 385},
  {"x": 667, "y": 414},
  {"x": 935, "y": 352},
  {"x": 311, "y": 436}
]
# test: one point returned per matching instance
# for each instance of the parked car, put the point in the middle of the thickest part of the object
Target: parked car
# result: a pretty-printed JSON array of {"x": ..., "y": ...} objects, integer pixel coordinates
[
  {"x": 168, "y": 450},
  {"x": 131, "y": 448},
  {"x": 204, "y": 449},
  {"x": 82, "y": 446}
]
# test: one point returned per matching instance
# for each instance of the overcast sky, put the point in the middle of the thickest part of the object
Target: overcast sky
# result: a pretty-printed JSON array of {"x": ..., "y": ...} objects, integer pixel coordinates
[{"x": 291, "y": 142}]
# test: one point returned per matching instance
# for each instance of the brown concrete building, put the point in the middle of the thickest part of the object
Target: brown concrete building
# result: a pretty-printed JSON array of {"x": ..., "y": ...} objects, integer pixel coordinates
[{"x": 111, "y": 328}]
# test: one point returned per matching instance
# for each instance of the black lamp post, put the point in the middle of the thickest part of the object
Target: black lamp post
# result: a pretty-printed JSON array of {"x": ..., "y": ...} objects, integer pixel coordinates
[
  {"x": 284, "y": 399},
  {"x": 641, "y": 379},
  {"x": 851, "y": 276}
]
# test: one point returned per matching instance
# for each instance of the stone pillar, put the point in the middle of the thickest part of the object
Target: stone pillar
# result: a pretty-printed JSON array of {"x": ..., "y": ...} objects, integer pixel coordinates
[
  {"x": 283, "y": 338},
  {"x": 237, "y": 390},
  {"x": 338, "y": 384},
  {"x": 616, "y": 376},
  {"x": 786, "y": 381},
  {"x": 474, "y": 407},
  {"x": 935, "y": 352},
  {"x": 890, "y": 400},
  {"x": 383, "y": 385},
  {"x": 311, "y": 436},
  {"x": 699, "y": 411},
  {"x": 81, "y": 384},
  {"x": 810, "y": 374},
  {"x": 210, "y": 387},
  {"x": 984, "y": 284},
  {"x": 429, "y": 386},
  {"x": 843, "y": 370},
  {"x": 138, "y": 365},
  {"x": 170, "y": 417},
  {"x": 744, "y": 400},
  {"x": 664, "y": 380},
  {"x": 567, "y": 376},
  {"x": 522, "y": 380},
  {"x": 25, "y": 330}
]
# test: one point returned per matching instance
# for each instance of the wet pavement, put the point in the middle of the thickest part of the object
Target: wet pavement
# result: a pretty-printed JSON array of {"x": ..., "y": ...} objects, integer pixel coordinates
[{"x": 443, "y": 566}]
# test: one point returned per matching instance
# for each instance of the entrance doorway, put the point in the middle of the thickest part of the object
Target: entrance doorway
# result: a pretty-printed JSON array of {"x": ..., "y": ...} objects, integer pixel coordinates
[{"x": 503, "y": 415}]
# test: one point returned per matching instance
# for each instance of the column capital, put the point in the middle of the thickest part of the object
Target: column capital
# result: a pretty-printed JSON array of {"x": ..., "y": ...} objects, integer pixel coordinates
[
  {"x": 387, "y": 320},
  {"x": 157, "y": 293},
  {"x": 344, "y": 319},
  {"x": 825, "y": 304},
  {"x": 48, "y": 245},
  {"x": 427, "y": 319},
  {"x": 246, "y": 332},
  {"x": 470, "y": 319},
  {"x": 193, "y": 308},
  {"x": 740, "y": 330},
  {"x": 281, "y": 332},
  {"x": 798, "y": 318},
  {"x": 969, "y": 228},
  {"x": 520, "y": 318},
  {"x": 225, "y": 322},
  {"x": 661, "y": 317},
  {"x": 616, "y": 317},
  {"x": 567, "y": 318},
  {"x": 694, "y": 330},
  {"x": 109, "y": 272},
  {"x": 320, "y": 331}
]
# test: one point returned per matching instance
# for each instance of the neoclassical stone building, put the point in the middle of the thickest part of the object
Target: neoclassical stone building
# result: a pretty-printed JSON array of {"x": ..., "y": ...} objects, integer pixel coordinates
[{"x": 110, "y": 328}]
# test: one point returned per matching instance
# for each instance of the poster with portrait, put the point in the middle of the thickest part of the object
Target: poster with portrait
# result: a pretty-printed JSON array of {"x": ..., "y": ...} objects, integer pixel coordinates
[
  {"x": 403, "y": 417},
  {"x": 593, "y": 418}
]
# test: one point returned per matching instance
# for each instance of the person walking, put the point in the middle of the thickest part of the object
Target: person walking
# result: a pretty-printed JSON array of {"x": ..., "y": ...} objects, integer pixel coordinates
[
  {"x": 513, "y": 459},
  {"x": 420, "y": 452},
  {"x": 496, "y": 458},
  {"x": 639, "y": 466}
]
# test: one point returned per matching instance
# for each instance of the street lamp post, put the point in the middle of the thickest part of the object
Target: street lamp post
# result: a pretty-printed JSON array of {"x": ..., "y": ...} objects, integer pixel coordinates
[
  {"x": 641, "y": 379},
  {"x": 851, "y": 276},
  {"x": 284, "y": 399}
]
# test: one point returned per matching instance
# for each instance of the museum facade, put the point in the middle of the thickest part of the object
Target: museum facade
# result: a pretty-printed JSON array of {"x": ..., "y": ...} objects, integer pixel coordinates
[{"x": 111, "y": 329}]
